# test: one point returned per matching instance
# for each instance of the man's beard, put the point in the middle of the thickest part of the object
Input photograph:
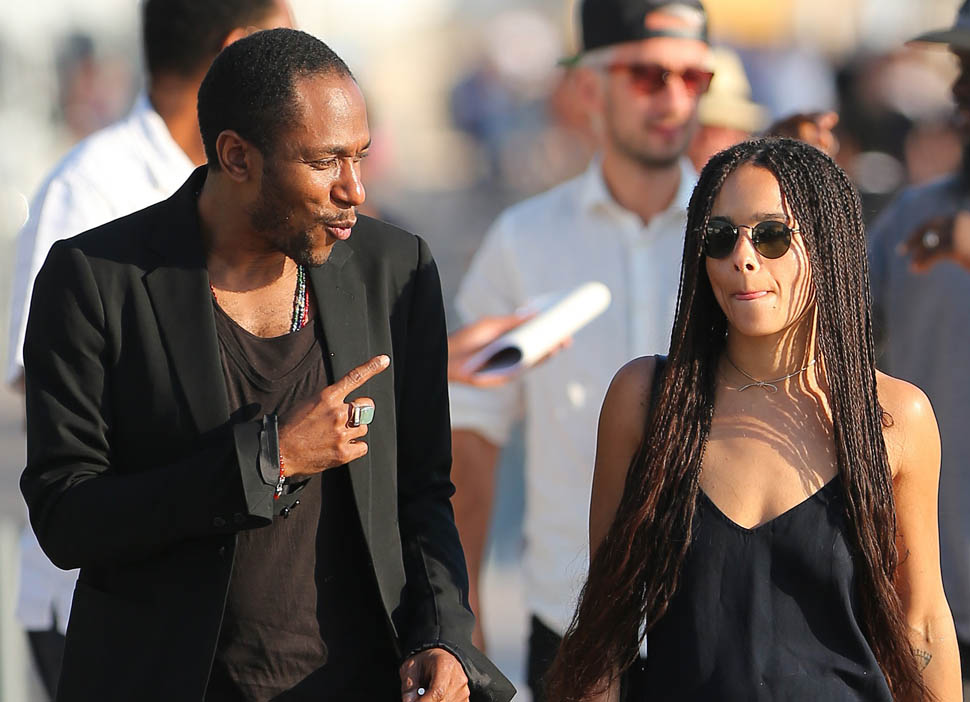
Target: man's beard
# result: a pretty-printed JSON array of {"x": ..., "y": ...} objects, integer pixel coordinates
[
  {"x": 273, "y": 217},
  {"x": 651, "y": 158}
]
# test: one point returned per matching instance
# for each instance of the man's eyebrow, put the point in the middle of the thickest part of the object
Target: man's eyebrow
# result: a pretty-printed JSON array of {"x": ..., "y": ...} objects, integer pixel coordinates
[{"x": 338, "y": 150}]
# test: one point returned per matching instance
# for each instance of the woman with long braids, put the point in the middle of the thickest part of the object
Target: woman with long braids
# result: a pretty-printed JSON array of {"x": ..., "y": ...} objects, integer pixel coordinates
[{"x": 764, "y": 509}]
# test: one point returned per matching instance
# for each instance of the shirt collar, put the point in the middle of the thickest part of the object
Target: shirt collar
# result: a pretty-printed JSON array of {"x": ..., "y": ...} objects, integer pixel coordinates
[{"x": 595, "y": 194}]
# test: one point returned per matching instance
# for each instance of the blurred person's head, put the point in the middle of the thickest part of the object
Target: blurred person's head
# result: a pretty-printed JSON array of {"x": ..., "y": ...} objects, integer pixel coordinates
[
  {"x": 726, "y": 113},
  {"x": 284, "y": 127},
  {"x": 957, "y": 38},
  {"x": 181, "y": 37},
  {"x": 643, "y": 67}
]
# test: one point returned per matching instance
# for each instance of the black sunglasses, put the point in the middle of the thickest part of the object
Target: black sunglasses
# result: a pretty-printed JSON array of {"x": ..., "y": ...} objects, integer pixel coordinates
[{"x": 771, "y": 239}]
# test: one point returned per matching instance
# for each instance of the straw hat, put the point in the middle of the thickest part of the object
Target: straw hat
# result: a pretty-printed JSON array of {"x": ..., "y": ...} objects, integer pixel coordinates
[{"x": 728, "y": 101}]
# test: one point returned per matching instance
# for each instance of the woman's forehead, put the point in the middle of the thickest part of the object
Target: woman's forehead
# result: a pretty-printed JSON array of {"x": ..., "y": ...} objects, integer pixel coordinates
[{"x": 750, "y": 191}]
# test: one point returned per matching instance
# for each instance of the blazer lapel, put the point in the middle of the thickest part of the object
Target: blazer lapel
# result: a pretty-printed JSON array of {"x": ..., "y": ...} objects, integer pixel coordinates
[
  {"x": 181, "y": 297},
  {"x": 342, "y": 303}
]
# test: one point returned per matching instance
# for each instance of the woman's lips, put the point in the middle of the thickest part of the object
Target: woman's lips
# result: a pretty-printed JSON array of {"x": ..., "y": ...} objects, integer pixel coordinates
[{"x": 754, "y": 295}]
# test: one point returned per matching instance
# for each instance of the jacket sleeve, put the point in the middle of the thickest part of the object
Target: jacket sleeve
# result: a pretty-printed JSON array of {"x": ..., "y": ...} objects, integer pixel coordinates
[
  {"x": 85, "y": 509},
  {"x": 436, "y": 601}
]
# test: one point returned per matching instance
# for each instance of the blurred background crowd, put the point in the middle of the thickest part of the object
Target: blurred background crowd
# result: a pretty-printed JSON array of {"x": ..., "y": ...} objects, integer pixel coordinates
[{"x": 470, "y": 112}]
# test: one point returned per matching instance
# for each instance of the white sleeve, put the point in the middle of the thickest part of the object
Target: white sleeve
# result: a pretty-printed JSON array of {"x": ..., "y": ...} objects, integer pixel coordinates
[
  {"x": 490, "y": 287},
  {"x": 62, "y": 208}
]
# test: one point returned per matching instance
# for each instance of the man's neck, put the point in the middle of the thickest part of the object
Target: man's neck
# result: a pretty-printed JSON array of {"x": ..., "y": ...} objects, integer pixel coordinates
[
  {"x": 644, "y": 190},
  {"x": 174, "y": 99},
  {"x": 237, "y": 258}
]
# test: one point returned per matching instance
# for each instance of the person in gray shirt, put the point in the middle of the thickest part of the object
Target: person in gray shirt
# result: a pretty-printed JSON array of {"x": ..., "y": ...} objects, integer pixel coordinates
[{"x": 921, "y": 314}]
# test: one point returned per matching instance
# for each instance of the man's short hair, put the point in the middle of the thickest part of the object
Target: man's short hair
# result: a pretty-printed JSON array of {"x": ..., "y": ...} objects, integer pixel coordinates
[
  {"x": 182, "y": 36},
  {"x": 251, "y": 86}
]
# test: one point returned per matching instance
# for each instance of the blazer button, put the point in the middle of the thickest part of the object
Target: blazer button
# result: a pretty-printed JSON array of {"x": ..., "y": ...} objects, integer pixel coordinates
[
  {"x": 238, "y": 518},
  {"x": 221, "y": 551},
  {"x": 218, "y": 522}
]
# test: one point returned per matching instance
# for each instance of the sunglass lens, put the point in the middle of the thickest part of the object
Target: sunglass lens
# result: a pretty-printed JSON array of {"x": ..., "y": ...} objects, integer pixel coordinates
[
  {"x": 771, "y": 239},
  {"x": 647, "y": 78},
  {"x": 720, "y": 239},
  {"x": 697, "y": 81}
]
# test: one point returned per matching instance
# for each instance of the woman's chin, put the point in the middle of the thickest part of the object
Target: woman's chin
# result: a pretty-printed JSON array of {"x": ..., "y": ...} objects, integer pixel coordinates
[{"x": 754, "y": 328}]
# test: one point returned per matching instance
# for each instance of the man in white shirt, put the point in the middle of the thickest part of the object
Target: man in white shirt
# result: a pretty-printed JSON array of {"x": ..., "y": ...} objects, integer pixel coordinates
[
  {"x": 134, "y": 163},
  {"x": 643, "y": 68}
]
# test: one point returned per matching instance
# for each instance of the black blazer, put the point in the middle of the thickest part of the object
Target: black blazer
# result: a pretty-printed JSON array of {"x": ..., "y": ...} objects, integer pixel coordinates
[{"x": 135, "y": 474}]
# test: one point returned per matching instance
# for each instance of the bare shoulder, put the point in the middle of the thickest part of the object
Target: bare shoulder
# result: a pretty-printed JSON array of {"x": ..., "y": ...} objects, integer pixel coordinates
[
  {"x": 908, "y": 406},
  {"x": 910, "y": 425},
  {"x": 619, "y": 436},
  {"x": 628, "y": 398}
]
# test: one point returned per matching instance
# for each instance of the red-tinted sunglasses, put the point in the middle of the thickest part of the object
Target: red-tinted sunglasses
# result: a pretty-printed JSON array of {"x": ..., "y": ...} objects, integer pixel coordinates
[{"x": 649, "y": 78}]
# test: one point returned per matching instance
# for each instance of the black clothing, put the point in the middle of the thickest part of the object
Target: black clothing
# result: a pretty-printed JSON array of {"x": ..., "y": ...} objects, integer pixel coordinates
[
  {"x": 137, "y": 474},
  {"x": 768, "y": 613},
  {"x": 300, "y": 590},
  {"x": 47, "y": 649},
  {"x": 543, "y": 646}
]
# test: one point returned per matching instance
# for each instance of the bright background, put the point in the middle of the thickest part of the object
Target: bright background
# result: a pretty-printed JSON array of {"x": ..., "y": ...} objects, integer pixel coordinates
[{"x": 468, "y": 114}]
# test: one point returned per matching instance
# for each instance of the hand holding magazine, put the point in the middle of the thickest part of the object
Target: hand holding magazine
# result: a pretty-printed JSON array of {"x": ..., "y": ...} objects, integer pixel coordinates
[{"x": 558, "y": 318}]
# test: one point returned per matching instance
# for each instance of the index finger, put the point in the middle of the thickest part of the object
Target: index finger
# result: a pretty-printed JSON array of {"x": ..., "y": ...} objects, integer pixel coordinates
[{"x": 360, "y": 375}]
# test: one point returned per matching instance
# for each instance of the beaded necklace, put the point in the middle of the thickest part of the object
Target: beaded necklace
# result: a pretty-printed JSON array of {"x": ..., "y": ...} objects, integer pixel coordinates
[{"x": 301, "y": 300}]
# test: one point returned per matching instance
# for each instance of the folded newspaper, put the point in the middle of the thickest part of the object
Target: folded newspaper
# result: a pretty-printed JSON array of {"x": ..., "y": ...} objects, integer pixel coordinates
[{"x": 559, "y": 316}]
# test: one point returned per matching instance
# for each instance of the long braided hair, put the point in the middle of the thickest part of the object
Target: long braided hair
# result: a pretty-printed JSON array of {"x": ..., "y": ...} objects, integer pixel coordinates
[{"x": 634, "y": 573}]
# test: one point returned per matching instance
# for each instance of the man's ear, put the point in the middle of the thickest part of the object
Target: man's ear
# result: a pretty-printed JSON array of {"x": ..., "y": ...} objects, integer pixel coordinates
[
  {"x": 589, "y": 87},
  {"x": 238, "y": 158},
  {"x": 235, "y": 35},
  {"x": 238, "y": 33}
]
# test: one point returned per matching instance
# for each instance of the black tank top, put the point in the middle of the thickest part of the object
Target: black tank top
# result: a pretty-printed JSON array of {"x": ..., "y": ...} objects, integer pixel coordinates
[
  {"x": 303, "y": 618},
  {"x": 769, "y": 613}
]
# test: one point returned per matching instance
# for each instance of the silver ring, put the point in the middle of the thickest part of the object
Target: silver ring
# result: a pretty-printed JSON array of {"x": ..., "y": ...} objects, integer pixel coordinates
[
  {"x": 930, "y": 239},
  {"x": 360, "y": 414}
]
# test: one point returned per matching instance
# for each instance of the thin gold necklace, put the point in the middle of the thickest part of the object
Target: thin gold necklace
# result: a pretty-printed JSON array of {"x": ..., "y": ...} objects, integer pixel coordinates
[{"x": 769, "y": 385}]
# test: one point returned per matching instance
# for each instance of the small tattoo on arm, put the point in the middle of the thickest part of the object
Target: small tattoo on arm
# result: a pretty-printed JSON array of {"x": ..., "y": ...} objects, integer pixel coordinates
[{"x": 923, "y": 658}]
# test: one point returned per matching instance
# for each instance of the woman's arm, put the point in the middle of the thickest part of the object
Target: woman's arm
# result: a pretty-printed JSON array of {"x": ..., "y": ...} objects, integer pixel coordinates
[
  {"x": 913, "y": 442},
  {"x": 621, "y": 423}
]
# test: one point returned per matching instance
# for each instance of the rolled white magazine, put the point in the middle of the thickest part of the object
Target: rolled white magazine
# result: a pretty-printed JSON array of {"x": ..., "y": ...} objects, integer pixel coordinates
[{"x": 560, "y": 316}]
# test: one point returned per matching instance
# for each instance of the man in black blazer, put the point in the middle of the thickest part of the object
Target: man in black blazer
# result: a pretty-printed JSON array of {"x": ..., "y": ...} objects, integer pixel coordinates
[{"x": 197, "y": 426}]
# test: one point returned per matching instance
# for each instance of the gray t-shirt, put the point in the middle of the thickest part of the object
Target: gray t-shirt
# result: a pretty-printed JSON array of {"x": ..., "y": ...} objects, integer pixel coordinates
[{"x": 922, "y": 326}]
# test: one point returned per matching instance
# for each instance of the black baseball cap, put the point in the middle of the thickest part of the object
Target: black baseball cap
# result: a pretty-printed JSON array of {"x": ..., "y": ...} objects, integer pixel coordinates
[
  {"x": 957, "y": 36},
  {"x": 610, "y": 22}
]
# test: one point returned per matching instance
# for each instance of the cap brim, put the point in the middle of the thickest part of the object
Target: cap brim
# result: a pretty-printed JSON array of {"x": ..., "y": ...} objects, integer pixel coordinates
[
  {"x": 957, "y": 38},
  {"x": 570, "y": 61}
]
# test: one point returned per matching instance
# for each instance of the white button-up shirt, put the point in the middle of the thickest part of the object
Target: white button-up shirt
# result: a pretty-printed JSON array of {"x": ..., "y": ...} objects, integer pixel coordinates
[
  {"x": 569, "y": 235},
  {"x": 114, "y": 172}
]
